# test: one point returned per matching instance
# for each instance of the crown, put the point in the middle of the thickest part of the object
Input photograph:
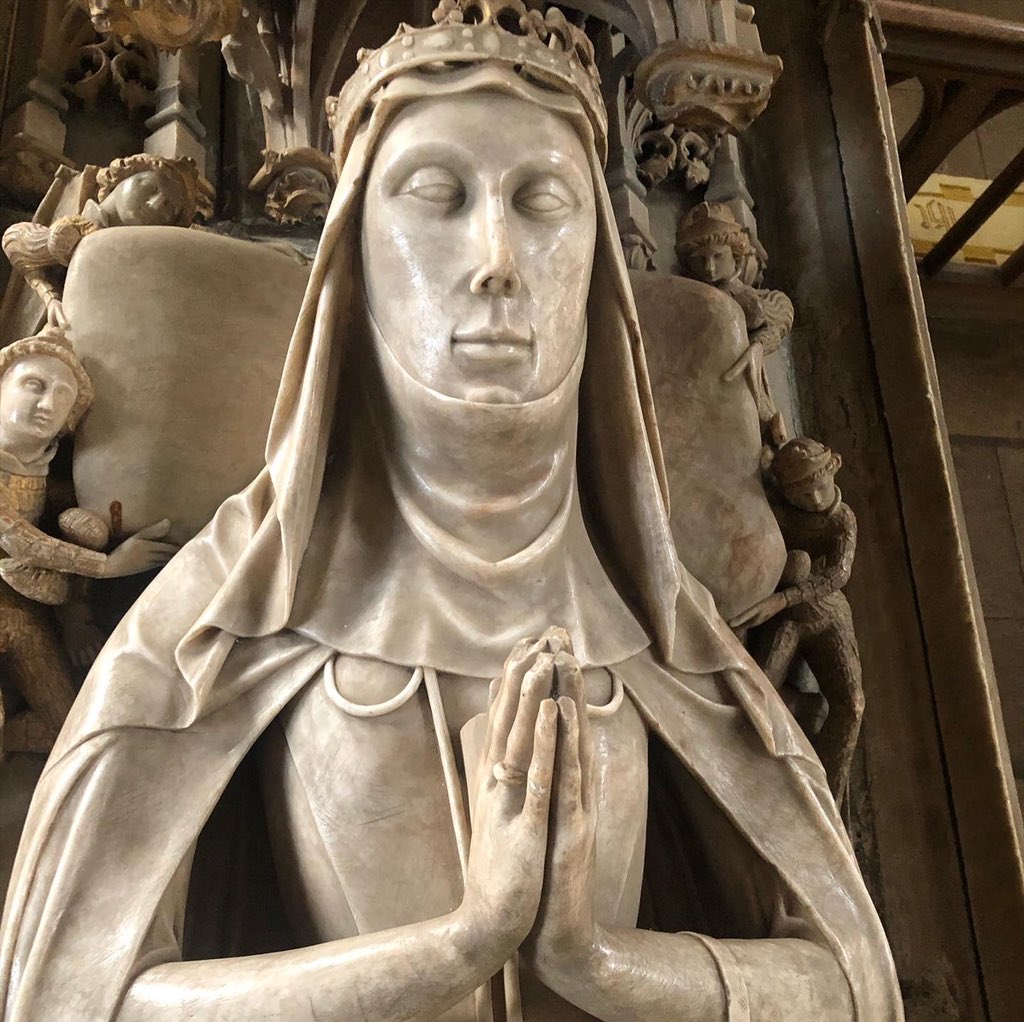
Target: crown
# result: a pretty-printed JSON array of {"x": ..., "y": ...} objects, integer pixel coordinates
[{"x": 543, "y": 47}]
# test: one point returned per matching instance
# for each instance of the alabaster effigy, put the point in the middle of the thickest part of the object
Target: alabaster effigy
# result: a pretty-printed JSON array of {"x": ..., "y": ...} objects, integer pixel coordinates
[{"x": 438, "y": 662}]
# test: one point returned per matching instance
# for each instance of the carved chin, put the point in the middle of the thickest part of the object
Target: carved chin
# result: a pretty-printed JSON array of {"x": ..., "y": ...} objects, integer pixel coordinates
[{"x": 493, "y": 395}]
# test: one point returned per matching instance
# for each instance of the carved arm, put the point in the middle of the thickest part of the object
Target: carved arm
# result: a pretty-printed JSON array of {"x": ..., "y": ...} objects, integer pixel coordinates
[
  {"x": 414, "y": 971},
  {"x": 34, "y": 248},
  {"x": 842, "y": 546},
  {"x": 36, "y": 549},
  {"x": 684, "y": 977}
]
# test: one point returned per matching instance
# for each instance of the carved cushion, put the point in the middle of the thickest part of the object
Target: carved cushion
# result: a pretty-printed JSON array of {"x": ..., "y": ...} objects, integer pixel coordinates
[
  {"x": 723, "y": 526},
  {"x": 184, "y": 334}
]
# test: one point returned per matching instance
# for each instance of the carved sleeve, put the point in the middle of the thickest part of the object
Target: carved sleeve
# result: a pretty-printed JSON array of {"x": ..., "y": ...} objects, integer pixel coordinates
[
  {"x": 778, "y": 321},
  {"x": 840, "y": 549},
  {"x": 36, "y": 549},
  {"x": 34, "y": 248}
]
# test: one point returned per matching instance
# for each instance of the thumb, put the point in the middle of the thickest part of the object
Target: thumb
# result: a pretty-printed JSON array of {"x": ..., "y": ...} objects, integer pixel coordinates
[{"x": 155, "y": 531}]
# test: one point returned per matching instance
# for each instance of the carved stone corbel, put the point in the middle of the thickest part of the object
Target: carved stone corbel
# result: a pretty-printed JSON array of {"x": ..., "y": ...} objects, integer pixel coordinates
[
  {"x": 296, "y": 185},
  {"x": 168, "y": 24},
  {"x": 706, "y": 86}
]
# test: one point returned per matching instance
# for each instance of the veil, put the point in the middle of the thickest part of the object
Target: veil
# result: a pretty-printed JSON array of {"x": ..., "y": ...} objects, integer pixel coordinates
[{"x": 252, "y": 552}]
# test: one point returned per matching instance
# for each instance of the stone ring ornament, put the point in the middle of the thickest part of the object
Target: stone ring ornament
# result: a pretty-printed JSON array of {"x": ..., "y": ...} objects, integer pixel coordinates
[{"x": 396, "y": 702}]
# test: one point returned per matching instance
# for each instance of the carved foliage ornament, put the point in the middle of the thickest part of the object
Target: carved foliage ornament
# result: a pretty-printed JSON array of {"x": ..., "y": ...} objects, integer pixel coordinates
[
  {"x": 169, "y": 24},
  {"x": 129, "y": 68},
  {"x": 297, "y": 184},
  {"x": 670, "y": 149}
]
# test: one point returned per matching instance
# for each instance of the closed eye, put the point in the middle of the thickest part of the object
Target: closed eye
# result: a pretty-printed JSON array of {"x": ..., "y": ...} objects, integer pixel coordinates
[
  {"x": 435, "y": 185},
  {"x": 546, "y": 197}
]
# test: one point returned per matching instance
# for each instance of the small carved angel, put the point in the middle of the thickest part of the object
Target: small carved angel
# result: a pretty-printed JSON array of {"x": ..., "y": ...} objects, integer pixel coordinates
[
  {"x": 136, "y": 191},
  {"x": 809, "y": 616},
  {"x": 715, "y": 248},
  {"x": 44, "y": 392}
]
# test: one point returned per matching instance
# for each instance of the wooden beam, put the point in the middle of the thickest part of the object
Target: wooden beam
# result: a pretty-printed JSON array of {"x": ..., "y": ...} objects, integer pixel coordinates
[
  {"x": 974, "y": 219},
  {"x": 977, "y": 759},
  {"x": 966, "y": 45},
  {"x": 1013, "y": 268}
]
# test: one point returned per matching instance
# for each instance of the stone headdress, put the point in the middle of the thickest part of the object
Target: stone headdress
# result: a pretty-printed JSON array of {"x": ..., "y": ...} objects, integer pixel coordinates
[
  {"x": 802, "y": 459},
  {"x": 712, "y": 223},
  {"x": 53, "y": 344}
]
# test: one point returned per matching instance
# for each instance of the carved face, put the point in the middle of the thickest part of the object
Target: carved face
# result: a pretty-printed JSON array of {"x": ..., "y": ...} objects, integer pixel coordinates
[
  {"x": 816, "y": 493},
  {"x": 478, "y": 240},
  {"x": 37, "y": 394},
  {"x": 714, "y": 264},
  {"x": 150, "y": 198}
]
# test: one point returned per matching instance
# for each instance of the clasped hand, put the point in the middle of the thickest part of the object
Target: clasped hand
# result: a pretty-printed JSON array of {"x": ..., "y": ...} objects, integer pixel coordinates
[{"x": 530, "y": 880}]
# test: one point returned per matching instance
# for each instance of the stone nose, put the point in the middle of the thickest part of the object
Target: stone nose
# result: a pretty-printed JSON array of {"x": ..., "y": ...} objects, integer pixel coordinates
[{"x": 497, "y": 273}]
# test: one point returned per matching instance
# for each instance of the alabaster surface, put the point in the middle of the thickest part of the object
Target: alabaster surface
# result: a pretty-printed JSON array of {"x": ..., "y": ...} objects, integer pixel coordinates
[
  {"x": 510, "y": 760},
  {"x": 184, "y": 334},
  {"x": 722, "y": 523}
]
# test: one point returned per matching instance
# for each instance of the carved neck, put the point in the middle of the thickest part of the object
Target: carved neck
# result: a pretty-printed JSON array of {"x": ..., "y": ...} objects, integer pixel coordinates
[
  {"x": 496, "y": 477},
  {"x": 23, "y": 461}
]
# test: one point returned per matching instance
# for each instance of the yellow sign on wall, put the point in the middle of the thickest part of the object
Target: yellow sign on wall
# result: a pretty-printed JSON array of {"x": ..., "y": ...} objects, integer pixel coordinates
[{"x": 944, "y": 199}]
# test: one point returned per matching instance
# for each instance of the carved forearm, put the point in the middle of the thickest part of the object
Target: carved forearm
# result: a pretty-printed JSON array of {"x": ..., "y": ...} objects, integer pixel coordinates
[
  {"x": 684, "y": 977},
  {"x": 34, "y": 248},
  {"x": 415, "y": 971},
  {"x": 36, "y": 549},
  {"x": 837, "y": 570}
]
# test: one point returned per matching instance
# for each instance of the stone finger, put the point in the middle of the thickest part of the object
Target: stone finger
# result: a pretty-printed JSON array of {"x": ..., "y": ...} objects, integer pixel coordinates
[{"x": 536, "y": 688}]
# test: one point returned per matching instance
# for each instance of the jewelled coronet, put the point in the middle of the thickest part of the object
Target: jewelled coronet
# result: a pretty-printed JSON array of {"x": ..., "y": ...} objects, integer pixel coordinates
[{"x": 543, "y": 48}]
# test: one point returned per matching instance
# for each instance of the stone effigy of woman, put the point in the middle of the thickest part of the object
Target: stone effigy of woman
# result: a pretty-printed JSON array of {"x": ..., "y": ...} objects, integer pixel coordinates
[{"x": 626, "y": 823}]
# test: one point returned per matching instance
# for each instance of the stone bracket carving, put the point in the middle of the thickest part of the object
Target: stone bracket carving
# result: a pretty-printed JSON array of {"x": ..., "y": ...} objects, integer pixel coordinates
[
  {"x": 296, "y": 185},
  {"x": 707, "y": 86},
  {"x": 169, "y": 24}
]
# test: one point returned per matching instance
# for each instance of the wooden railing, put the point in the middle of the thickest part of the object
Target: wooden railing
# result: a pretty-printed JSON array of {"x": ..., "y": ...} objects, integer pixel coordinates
[{"x": 970, "y": 68}]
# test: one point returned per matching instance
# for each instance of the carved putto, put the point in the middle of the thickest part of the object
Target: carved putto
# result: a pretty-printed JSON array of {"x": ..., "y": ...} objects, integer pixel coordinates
[
  {"x": 715, "y": 248},
  {"x": 44, "y": 392},
  {"x": 135, "y": 191},
  {"x": 144, "y": 190}
]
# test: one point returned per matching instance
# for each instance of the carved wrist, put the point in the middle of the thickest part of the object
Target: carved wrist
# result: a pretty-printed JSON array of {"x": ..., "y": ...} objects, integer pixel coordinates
[{"x": 477, "y": 941}]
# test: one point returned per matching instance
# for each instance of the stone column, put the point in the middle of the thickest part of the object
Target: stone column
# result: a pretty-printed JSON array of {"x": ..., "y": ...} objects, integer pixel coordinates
[{"x": 175, "y": 128}]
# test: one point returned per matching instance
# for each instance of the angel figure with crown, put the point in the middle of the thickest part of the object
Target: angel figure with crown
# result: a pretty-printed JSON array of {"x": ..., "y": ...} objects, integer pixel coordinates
[{"x": 507, "y": 760}]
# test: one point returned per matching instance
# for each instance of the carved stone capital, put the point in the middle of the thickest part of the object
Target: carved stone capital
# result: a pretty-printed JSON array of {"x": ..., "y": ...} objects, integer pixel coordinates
[
  {"x": 705, "y": 86},
  {"x": 169, "y": 24}
]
